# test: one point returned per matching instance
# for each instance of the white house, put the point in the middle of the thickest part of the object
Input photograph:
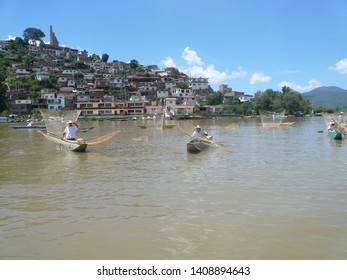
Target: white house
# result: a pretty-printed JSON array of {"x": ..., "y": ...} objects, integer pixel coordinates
[
  {"x": 70, "y": 72},
  {"x": 42, "y": 75},
  {"x": 198, "y": 83},
  {"x": 170, "y": 101},
  {"x": 179, "y": 92}
]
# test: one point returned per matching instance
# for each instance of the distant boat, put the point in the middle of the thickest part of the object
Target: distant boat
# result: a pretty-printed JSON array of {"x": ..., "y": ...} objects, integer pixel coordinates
[
  {"x": 29, "y": 127},
  {"x": 273, "y": 118}
]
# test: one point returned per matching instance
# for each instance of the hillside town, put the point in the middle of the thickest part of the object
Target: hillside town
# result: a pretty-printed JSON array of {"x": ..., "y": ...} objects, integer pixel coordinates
[{"x": 99, "y": 88}]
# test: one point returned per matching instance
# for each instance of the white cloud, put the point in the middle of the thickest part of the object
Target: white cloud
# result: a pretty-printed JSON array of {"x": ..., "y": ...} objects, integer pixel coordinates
[
  {"x": 191, "y": 57},
  {"x": 238, "y": 74},
  {"x": 10, "y": 37},
  {"x": 195, "y": 67},
  {"x": 169, "y": 62},
  {"x": 214, "y": 76},
  {"x": 340, "y": 66},
  {"x": 312, "y": 84},
  {"x": 259, "y": 77}
]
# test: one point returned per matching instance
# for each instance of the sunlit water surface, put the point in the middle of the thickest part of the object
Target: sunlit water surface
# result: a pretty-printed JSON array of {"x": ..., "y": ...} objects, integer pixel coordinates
[{"x": 280, "y": 193}]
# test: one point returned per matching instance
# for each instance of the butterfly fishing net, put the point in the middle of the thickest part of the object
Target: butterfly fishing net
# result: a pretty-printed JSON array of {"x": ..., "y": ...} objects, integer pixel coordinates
[
  {"x": 272, "y": 118},
  {"x": 337, "y": 117},
  {"x": 57, "y": 120}
]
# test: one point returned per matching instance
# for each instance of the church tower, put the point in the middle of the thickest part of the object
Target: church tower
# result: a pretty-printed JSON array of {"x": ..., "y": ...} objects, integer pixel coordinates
[{"x": 52, "y": 39}]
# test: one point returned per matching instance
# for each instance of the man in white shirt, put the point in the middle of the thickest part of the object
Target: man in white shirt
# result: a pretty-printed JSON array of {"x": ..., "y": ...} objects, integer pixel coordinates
[
  {"x": 198, "y": 133},
  {"x": 70, "y": 131}
]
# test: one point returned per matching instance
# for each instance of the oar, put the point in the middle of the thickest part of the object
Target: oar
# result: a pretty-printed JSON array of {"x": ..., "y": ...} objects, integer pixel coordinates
[
  {"x": 103, "y": 139},
  {"x": 340, "y": 128},
  {"x": 207, "y": 142}
]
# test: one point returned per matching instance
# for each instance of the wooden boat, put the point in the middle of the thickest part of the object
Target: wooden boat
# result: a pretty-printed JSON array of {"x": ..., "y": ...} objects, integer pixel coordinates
[
  {"x": 56, "y": 121},
  {"x": 29, "y": 127},
  {"x": 78, "y": 145},
  {"x": 198, "y": 145},
  {"x": 164, "y": 126},
  {"x": 85, "y": 129},
  {"x": 337, "y": 135}
]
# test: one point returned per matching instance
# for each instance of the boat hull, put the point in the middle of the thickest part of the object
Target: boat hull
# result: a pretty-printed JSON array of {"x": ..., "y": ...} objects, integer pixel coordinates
[
  {"x": 196, "y": 146},
  {"x": 76, "y": 146},
  {"x": 29, "y": 127},
  {"x": 199, "y": 145},
  {"x": 335, "y": 135}
]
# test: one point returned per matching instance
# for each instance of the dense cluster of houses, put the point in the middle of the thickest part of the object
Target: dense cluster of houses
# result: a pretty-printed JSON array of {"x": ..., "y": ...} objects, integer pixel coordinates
[{"x": 106, "y": 90}]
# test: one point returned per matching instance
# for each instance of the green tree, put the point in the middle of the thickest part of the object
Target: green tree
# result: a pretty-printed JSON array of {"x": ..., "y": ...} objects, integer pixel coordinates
[
  {"x": 33, "y": 34},
  {"x": 3, "y": 103},
  {"x": 293, "y": 102},
  {"x": 134, "y": 64},
  {"x": 105, "y": 57},
  {"x": 182, "y": 85},
  {"x": 215, "y": 98},
  {"x": 234, "y": 105}
]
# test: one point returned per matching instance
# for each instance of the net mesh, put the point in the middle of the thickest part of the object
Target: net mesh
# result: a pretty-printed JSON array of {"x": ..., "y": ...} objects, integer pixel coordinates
[
  {"x": 272, "y": 118},
  {"x": 57, "y": 120},
  {"x": 338, "y": 117}
]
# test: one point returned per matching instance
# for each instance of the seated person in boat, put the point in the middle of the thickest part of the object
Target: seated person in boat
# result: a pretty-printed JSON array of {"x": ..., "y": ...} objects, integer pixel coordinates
[
  {"x": 198, "y": 133},
  {"x": 332, "y": 126},
  {"x": 70, "y": 131}
]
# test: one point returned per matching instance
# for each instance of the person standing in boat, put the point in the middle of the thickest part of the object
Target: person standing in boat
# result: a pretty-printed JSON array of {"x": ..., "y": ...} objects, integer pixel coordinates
[
  {"x": 198, "y": 133},
  {"x": 70, "y": 131}
]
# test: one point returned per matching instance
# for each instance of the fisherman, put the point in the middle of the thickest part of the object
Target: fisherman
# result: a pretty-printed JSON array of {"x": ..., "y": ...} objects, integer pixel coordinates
[
  {"x": 70, "y": 131},
  {"x": 198, "y": 133},
  {"x": 332, "y": 126}
]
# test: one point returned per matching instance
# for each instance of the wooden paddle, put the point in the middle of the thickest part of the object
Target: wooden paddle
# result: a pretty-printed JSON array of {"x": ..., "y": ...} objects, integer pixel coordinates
[
  {"x": 206, "y": 141},
  {"x": 340, "y": 128}
]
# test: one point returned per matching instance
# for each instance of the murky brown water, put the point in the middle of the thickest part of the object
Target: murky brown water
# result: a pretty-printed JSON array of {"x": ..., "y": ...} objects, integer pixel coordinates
[{"x": 281, "y": 194}]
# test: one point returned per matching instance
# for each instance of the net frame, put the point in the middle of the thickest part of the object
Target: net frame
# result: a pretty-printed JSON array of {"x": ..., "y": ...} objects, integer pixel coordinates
[
  {"x": 272, "y": 118},
  {"x": 57, "y": 120}
]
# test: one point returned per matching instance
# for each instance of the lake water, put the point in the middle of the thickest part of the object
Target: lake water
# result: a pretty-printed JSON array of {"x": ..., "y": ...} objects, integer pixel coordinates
[{"x": 280, "y": 193}]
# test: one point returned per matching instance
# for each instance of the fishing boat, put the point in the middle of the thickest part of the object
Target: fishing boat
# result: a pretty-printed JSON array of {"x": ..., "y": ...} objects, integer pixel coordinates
[
  {"x": 56, "y": 121},
  {"x": 337, "y": 135},
  {"x": 164, "y": 126},
  {"x": 198, "y": 145},
  {"x": 29, "y": 127},
  {"x": 273, "y": 118},
  {"x": 78, "y": 145}
]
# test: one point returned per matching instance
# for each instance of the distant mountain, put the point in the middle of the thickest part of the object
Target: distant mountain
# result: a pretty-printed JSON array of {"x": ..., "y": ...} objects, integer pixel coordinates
[{"x": 328, "y": 97}]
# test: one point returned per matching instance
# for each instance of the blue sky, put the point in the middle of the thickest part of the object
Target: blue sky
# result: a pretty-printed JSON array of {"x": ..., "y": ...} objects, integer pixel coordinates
[{"x": 248, "y": 45}]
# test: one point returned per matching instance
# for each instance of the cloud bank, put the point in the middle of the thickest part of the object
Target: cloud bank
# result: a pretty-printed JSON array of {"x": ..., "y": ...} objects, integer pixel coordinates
[
  {"x": 195, "y": 67},
  {"x": 259, "y": 77},
  {"x": 312, "y": 84},
  {"x": 340, "y": 66}
]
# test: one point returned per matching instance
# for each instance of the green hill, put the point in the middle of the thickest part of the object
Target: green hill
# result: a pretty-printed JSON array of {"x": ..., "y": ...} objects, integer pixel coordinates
[{"x": 328, "y": 97}]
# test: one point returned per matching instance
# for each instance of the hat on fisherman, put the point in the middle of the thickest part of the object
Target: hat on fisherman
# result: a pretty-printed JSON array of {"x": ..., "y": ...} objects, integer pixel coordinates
[
  {"x": 70, "y": 122},
  {"x": 198, "y": 126}
]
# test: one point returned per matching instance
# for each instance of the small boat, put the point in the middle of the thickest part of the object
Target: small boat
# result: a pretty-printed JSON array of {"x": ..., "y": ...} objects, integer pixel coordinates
[
  {"x": 164, "y": 126},
  {"x": 337, "y": 135},
  {"x": 78, "y": 145},
  {"x": 198, "y": 145},
  {"x": 29, "y": 127},
  {"x": 85, "y": 129}
]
